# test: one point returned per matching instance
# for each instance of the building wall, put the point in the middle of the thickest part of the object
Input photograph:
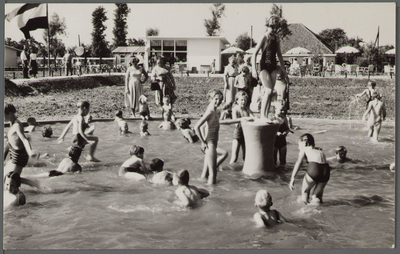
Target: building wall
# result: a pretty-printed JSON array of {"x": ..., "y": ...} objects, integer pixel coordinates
[
  {"x": 203, "y": 52},
  {"x": 10, "y": 58}
]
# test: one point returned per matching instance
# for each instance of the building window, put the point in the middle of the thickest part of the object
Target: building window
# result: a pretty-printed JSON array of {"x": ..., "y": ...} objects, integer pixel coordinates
[
  {"x": 155, "y": 45},
  {"x": 181, "y": 45},
  {"x": 168, "y": 45},
  {"x": 122, "y": 58}
]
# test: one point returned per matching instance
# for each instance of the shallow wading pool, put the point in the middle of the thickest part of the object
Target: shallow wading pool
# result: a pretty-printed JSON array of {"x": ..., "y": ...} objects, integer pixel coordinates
[{"x": 96, "y": 209}]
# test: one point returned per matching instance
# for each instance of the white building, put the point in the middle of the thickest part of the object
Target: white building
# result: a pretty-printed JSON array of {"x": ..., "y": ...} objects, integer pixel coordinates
[
  {"x": 196, "y": 52},
  {"x": 11, "y": 57}
]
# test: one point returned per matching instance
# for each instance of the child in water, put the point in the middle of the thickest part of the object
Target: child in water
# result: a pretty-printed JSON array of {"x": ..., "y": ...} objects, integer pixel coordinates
[
  {"x": 265, "y": 216},
  {"x": 318, "y": 171},
  {"x": 17, "y": 145},
  {"x": 280, "y": 145},
  {"x": 368, "y": 92},
  {"x": 239, "y": 110},
  {"x": 168, "y": 116},
  {"x": 79, "y": 125},
  {"x": 134, "y": 167},
  {"x": 188, "y": 133},
  {"x": 143, "y": 129},
  {"x": 12, "y": 195},
  {"x": 188, "y": 195},
  {"x": 376, "y": 113},
  {"x": 214, "y": 155},
  {"x": 122, "y": 124},
  {"x": 160, "y": 176}
]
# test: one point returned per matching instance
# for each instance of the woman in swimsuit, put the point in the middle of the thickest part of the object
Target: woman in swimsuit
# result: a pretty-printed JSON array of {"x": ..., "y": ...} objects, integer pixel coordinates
[
  {"x": 318, "y": 171},
  {"x": 270, "y": 49}
]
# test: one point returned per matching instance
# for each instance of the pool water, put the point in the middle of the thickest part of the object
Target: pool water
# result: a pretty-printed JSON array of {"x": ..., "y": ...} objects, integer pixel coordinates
[{"x": 96, "y": 209}]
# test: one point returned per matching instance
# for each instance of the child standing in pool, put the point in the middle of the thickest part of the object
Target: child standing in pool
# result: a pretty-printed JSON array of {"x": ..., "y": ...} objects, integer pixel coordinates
[
  {"x": 265, "y": 216},
  {"x": 79, "y": 125},
  {"x": 239, "y": 110},
  {"x": 18, "y": 146},
  {"x": 376, "y": 113},
  {"x": 368, "y": 92},
  {"x": 214, "y": 155},
  {"x": 318, "y": 171}
]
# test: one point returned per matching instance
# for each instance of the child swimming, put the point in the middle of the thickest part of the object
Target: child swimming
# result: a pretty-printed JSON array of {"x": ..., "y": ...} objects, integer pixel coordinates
[
  {"x": 168, "y": 116},
  {"x": 188, "y": 133},
  {"x": 318, "y": 171},
  {"x": 214, "y": 155},
  {"x": 160, "y": 176},
  {"x": 144, "y": 129},
  {"x": 80, "y": 139},
  {"x": 134, "y": 167},
  {"x": 265, "y": 217},
  {"x": 17, "y": 145},
  {"x": 12, "y": 195},
  {"x": 188, "y": 195},
  {"x": 122, "y": 124}
]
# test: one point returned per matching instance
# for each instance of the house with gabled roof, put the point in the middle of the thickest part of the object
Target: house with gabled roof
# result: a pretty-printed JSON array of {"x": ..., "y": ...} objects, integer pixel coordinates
[
  {"x": 303, "y": 37},
  {"x": 123, "y": 54}
]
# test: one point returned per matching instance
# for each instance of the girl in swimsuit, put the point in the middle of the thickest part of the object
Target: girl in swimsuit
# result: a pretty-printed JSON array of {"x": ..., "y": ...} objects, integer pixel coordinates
[
  {"x": 270, "y": 49},
  {"x": 369, "y": 91},
  {"x": 318, "y": 171},
  {"x": 214, "y": 155},
  {"x": 265, "y": 216},
  {"x": 239, "y": 110}
]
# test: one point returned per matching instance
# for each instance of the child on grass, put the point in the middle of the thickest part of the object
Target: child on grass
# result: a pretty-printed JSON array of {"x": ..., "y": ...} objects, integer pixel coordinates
[
  {"x": 239, "y": 110},
  {"x": 134, "y": 167},
  {"x": 79, "y": 125},
  {"x": 265, "y": 216},
  {"x": 318, "y": 171},
  {"x": 12, "y": 195},
  {"x": 18, "y": 146},
  {"x": 214, "y": 155},
  {"x": 188, "y": 195}
]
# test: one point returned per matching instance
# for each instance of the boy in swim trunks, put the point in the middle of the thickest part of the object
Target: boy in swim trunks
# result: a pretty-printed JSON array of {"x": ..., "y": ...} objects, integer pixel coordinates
[
  {"x": 12, "y": 195},
  {"x": 265, "y": 216},
  {"x": 376, "y": 113},
  {"x": 135, "y": 164},
  {"x": 79, "y": 125},
  {"x": 318, "y": 171},
  {"x": 368, "y": 92},
  {"x": 214, "y": 155},
  {"x": 18, "y": 146},
  {"x": 188, "y": 195}
]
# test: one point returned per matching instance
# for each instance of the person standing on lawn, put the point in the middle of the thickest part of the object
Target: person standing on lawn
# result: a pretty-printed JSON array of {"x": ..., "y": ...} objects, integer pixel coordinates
[
  {"x": 134, "y": 84},
  {"x": 25, "y": 61}
]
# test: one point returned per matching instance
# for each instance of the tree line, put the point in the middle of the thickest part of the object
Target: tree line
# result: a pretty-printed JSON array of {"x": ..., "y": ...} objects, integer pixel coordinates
[{"x": 100, "y": 47}]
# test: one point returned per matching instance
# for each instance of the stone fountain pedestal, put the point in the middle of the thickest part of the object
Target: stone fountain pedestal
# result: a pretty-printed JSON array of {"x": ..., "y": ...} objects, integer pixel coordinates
[{"x": 259, "y": 139}]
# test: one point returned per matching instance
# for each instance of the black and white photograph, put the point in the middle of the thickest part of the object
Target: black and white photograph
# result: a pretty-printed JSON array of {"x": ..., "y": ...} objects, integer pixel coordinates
[{"x": 199, "y": 126}]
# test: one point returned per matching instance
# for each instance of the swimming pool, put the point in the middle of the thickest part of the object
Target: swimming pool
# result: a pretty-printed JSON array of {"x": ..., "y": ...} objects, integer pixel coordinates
[{"x": 96, "y": 209}]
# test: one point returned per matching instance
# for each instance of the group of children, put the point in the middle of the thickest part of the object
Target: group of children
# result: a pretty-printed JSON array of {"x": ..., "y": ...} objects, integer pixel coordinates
[{"x": 206, "y": 131}]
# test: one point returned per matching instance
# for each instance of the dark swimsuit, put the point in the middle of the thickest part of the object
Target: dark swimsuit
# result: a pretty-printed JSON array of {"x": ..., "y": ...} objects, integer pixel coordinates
[
  {"x": 280, "y": 141},
  {"x": 78, "y": 143},
  {"x": 268, "y": 57},
  {"x": 320, "y": 173},
  {"x": 18, "y": 157}
]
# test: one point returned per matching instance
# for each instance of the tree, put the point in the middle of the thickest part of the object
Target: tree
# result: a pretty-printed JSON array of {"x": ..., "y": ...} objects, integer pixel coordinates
[
  {"x": 212, "y": 25},
  {"x": 283, "y": 28},
  {"x": 152, "y": 32},
  {"x": 18, "y": 45},
  {"x": 335, "y": 37},
  {"x": 134, "y": 42},
  {"x": 120, "y": 24},
  {"x": 243, "y": 41},
  {"x": 99, "y": 43},
  {"x": 56, "y": 27}
]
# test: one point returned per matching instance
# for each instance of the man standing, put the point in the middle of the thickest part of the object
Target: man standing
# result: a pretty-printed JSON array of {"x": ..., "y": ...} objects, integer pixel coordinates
[
  {"x": 25, "y": 61},
  {"x": 213, "y": 67},
  {"x": 68, "y": 63}
]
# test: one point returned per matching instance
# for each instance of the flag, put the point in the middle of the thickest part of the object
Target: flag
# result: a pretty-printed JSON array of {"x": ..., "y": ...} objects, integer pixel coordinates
[
  {"x": 376, "y": 44},
  {"x": 29, "y": 17}
]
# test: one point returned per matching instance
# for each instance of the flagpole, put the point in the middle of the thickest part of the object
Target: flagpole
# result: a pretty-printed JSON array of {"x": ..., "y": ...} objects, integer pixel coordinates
[{"x": 48, "y": 37}]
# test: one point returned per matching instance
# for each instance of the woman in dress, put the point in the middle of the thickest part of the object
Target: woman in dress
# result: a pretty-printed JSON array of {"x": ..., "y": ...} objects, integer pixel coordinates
[
  {"x": 133, "y": 84},
  {"x": 270, "y": 49},
  {"x": 166, "y": 81},
  {"x": 230, "y": 74}
]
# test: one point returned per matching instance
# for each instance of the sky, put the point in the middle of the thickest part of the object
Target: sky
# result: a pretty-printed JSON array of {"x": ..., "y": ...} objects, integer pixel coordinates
[{"x": 356, "y": 19}]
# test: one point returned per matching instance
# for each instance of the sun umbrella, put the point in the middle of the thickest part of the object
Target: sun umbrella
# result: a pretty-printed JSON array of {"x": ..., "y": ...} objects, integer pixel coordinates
[
  {"x": 298, "y": 51},
  {"x": 232, "y": 50},
  {"x": 347, "y": 50},
  {"x": 391, "y": 52}
]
